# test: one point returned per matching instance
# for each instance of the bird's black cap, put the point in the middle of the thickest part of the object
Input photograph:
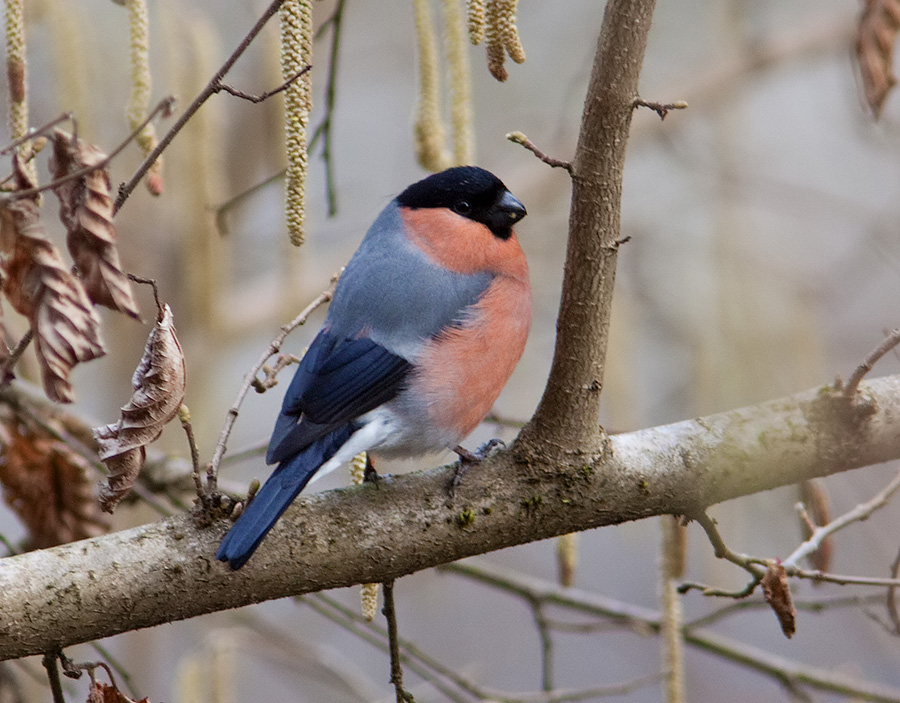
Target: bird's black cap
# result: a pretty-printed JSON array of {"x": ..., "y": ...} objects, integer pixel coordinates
[{"x": 471, "y": 192}]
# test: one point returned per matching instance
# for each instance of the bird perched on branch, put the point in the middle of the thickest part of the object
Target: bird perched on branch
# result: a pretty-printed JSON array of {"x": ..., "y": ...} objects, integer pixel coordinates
[{"x": 427, "y": 323}]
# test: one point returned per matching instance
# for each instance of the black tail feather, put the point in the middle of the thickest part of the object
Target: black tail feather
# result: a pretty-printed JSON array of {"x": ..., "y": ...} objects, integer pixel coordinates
[{"x": 278, "y": 492}]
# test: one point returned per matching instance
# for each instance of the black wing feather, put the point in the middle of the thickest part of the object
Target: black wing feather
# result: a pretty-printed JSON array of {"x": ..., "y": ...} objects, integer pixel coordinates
[{"x": 338, "y": 380}]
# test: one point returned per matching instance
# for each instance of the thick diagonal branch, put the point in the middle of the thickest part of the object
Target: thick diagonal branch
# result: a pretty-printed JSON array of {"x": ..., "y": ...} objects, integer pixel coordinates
[{"x": 167, "y": 571}]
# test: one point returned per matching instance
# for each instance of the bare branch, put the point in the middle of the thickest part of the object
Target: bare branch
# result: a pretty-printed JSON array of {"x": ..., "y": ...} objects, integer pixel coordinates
[
  {"x": 891, "y": 592},
  {"x": 441, "y": 676},
  {"x": 49, "y": 662},
  {"x": 139, "y": 577},
  {"x": 861, "y": 512},
  {"x": 749, "y": 564},
  {"x": 842, "y": 579},
  {"x": 36, "y": 131},
  {"x": 164, "y": 106},
  {"x": 250, "y": 380},
  {"x": 778, "y": 668},
  {"x": 184, "y": 416},
  {"x": 126, "y": 188},
  {"x": 661, "y": 109},
  {"x": 324, "y": 129},
  {"x": 390, "y": 614},
  {"x": 567, "y": 414},
  {"x": 6, "y": 371},
  {"x": 219, "y": 86},
  {"x": 520, "y": 138},
  {"x": 888, "y": 343}
]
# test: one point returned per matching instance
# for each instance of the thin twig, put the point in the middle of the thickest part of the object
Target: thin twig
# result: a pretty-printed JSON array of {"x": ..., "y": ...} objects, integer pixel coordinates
[
  {"x": 661, "y": 109},
  {"x": 150, "y": 282},
  {"x": 165, "y": 105},
  {"x": 270, "y": 379},
  {"x": 861, "y": 512},
  {"x": 74, "y": 670},
  {"x": 223, "y": 209},
  {"x": 810, "y": 606},
  {"x": 543, "y": 629},
  {"x": 434, "y": 672},
  {"x": 35, "y": 131},
  {"x": 219, "y": 86},
  {"x": 891, "y": 602},
  {"x": 842, "y": 579},
  {"x": 888, "y": 343},
  {"x": 520, "y": 138},
  {"x": 49, "y": 663},
  {"x": 778, "y": 668},
  {"x": 184, "y": 416},
  {"x": 125, "y": 189},
  {"x": 752, "y": 564},
  {"x": 390, "y": 615},
  {"x": 324, "y": 128},
  {"x": 749, "y": 564},
  {"x": 6, "y": 373},
  {"x": 115, "y": 664},
  {"x": 708, "y": 590},
  {"x": 431, "y": 670},
  {"x": 249, "y": 379}
]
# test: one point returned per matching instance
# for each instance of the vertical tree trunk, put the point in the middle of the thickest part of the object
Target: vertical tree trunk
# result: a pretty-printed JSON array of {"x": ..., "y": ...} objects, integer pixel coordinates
[{"x": 568, "y": 412}]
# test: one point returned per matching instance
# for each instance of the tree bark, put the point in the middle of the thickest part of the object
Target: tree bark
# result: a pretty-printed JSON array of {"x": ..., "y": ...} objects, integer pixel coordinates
[
  {"x": 166, "y": 571},
  {"x": 567, "y": 416}
]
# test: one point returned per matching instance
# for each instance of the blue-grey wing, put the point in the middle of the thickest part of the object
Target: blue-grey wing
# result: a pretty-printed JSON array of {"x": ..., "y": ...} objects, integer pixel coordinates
[{"x": 338, "y": 380}]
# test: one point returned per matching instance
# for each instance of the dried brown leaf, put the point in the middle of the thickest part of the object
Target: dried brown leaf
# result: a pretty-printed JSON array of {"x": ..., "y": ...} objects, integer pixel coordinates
[
  {"x": 778, "y": 595},
  {"x": 815, "y": 498},
  {"x": 40, "y": 287},
  {"x": 86, "y": 209},
  {"x": 47, "y": 484},
  {"x": 876, "y": 34},
  {"x": 159, "y": 384},
  {"x": 104, "y": 693}
]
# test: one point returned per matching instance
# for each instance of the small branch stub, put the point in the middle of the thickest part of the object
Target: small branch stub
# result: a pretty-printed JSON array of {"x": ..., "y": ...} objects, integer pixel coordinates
[
  {"x": 520, "y": 138},
  {"x": 661, "y": 109},
  {"x": 888, "y": 343}
]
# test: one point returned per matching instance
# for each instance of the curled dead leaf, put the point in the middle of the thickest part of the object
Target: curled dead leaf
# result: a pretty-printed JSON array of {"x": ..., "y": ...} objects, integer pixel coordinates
[
  {"x": 46, "y": 483},
  {"x": 86, "y": 209},
  {"x": 159, "y": 385},
  {"x": 39, "y": 286},
  {"x": 105, "y": 693},
  {"x": 876, "y": 34},
  {"x": 778, "y": 595}
]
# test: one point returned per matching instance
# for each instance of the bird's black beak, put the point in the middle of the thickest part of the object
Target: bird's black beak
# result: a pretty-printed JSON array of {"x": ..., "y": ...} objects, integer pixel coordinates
[
  {"x": 503, "y": 214},
  {"x": 510, "y": 208}
]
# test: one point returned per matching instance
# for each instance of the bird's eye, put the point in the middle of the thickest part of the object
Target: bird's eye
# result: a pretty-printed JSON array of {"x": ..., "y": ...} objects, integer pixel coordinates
[{"x": 462, "y": 207}]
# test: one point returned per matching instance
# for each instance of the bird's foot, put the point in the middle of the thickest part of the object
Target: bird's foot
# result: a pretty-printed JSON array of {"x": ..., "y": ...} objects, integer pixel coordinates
[
  {"x": 490, "y": 448},
  {"x": 467, "y": 459}
]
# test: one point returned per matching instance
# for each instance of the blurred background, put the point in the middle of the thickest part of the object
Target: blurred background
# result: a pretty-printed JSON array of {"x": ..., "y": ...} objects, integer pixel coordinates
[{"x": 764, "y": 259}]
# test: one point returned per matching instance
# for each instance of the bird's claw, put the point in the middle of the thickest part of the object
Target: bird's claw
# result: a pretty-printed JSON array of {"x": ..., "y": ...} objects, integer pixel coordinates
[
  {"x": 467, "y": 459},
  {"x": 490, "y": 448}
]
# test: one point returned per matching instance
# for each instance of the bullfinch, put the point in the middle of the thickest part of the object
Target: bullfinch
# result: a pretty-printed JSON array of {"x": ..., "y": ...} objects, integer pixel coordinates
[{"x": 427, "y": 322}]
